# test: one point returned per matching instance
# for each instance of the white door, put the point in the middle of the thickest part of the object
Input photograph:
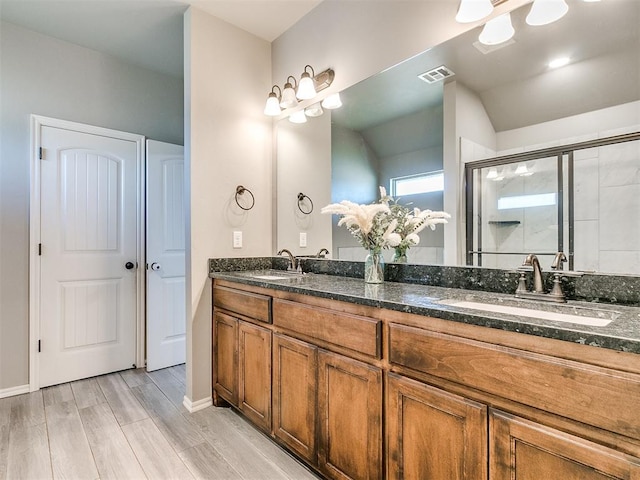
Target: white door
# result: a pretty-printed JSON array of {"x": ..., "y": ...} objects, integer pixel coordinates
[
  {"x": 166, "y": 309},
  {"x": 88, "y": 270}
]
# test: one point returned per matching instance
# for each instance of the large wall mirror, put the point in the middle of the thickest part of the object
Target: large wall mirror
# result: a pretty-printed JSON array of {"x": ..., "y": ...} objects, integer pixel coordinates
[{"x": 414, "y": 119}]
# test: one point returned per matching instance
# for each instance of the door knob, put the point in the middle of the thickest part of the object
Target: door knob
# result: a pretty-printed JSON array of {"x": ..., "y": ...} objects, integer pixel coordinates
[
  {"x": 129, "y": 265},
  {"x": 155, "y": 266}
]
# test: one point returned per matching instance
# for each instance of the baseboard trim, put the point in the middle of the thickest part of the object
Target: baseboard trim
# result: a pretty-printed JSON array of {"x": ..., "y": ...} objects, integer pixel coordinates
[
  {"x": 197, "y": 405},
  {"x": 11, "y": 391}
]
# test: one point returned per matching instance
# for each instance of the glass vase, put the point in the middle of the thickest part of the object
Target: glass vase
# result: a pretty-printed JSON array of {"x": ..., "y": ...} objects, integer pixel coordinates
[
  {"x": 374, "y": 267},
  {"x": 400, "y": 255}
]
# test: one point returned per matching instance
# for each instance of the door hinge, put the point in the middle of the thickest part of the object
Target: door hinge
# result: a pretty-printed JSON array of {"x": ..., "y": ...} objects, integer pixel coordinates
[
  {"x": 39, "y": 346},
  {"x": 39, "y": 249},
  {"x": 40, "y": 153}
]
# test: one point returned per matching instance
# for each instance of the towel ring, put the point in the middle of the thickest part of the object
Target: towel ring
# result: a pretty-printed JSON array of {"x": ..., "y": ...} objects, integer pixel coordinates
[
  {"x": 301, "y": 197},
  {"x": 240, "y": 190}
]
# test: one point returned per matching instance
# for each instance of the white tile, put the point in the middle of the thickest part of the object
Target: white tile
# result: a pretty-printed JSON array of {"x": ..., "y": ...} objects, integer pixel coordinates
[
  {"x": 620, "y": 262},
  {"x": 620, "y": 164},
  {"x": 586, "y": 189},
  {"x": 620, "y": 218},
  {"x": 586, "y": 247}
]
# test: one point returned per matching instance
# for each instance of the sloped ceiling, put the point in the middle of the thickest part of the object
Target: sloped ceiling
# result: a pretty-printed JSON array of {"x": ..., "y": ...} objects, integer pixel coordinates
[{"x": 147, "y": 32}]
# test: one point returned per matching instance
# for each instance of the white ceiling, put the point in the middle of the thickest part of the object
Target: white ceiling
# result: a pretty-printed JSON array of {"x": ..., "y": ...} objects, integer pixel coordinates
[{"x": 147, "y": 32}]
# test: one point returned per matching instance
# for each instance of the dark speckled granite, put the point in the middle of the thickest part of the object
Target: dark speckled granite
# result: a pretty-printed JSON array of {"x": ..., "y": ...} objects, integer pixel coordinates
[{"x": 419, "y": 289}]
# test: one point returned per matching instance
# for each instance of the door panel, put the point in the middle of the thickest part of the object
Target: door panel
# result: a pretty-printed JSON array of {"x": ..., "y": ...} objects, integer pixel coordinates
[
  {"x": 520, "y": 449},
  {"x": 89, "y": 231},
  {"x": 166, "y": 308}
]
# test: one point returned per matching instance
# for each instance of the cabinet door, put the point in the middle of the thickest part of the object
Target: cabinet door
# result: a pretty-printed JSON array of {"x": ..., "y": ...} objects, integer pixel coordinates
[
  {"x": 350, "y": 418},
  {"x": 434, "y": 435},
  {"x": 254, "y": 376},
  {"x": 225, "y": 354},
  {"x": 524, "y": 450},
  {"x": 294, "y": 395}
]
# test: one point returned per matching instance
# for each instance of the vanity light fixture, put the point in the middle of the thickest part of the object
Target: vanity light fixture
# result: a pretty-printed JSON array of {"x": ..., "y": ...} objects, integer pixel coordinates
[
  {"x": 289, "y": 99},
  {"x": 497, "y": 30},
  {"x": 544, "y": 12},
  {"x": 473, "y": 10},
  {"x": 314, "y": 110},
  {"x": 493, "y": 173},
  {"x": 272, "y": 107},
  {"x": 332, "y": 101},
  {"x": 298, "y": 117},
  {"x": 306, "y": 88}
]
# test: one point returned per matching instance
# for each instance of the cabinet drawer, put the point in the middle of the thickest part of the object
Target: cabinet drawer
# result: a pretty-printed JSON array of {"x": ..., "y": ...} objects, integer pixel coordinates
[
  {"x": 353, "y": 332},
  {"x": 252, "y": 305},
  {"x": 573, "y": 390}
]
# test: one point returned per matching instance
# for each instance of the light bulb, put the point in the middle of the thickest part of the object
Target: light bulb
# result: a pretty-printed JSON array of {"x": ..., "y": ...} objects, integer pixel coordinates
[
  {"x": 298, "y": 117},
  {"x": 289, "y": 99},
  {"x": 314, "y": 110},
  {"x": 473, "y": 10},
  {"x": 306, "y": 90},
  {"x": 493, "y": 173},
  {"x": 332, "y": 101},
  {"x": 497, "y": 30},
  {"x": 272, "y": 107},
  {"x": 544, "y": 12}
]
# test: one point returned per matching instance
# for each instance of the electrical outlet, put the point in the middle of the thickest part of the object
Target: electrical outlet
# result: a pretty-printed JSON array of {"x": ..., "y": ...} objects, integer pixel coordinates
[
  {"x": 303, "y": 239},
  {"x": 237, "y": 239}
]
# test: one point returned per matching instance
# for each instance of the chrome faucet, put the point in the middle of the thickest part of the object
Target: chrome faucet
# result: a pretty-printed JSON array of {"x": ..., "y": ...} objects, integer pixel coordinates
[
  {"x": 322, "y": 253},
  {"x": 292, "y": 260}
]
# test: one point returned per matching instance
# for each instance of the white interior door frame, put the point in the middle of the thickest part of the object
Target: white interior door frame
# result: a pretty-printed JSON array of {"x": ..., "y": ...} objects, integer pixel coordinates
[{"x": 37, "y": 122}]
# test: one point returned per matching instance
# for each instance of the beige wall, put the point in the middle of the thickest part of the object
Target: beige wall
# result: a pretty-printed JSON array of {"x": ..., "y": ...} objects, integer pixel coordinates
[
  {"x": 227, "y": 143},
  {"x": 49, "y": 77},
  {"x": 304, "y": 166}
]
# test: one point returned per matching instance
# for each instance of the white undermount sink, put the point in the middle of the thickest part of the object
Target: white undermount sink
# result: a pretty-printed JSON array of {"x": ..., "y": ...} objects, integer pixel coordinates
[
  {"x": 271, "y": 277},
  {"x": 582, "y": 316}
]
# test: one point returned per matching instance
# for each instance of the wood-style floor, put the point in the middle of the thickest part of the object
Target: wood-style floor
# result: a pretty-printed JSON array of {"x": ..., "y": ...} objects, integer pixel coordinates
[{"x": 132, "y": 424}]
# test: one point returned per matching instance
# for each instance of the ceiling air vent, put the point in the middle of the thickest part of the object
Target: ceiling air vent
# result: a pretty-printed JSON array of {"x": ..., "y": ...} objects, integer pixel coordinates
[{"x": 436, "y": 75}]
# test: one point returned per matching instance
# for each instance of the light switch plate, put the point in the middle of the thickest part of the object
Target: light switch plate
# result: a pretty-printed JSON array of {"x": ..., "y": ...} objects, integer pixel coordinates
[
  {"x": 303, "y": 239},
  {"x": 237, "y": 239}
]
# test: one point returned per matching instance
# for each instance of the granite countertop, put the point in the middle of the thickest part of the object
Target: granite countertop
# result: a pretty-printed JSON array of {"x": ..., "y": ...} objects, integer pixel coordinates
[{"x": 621, "y": 334}]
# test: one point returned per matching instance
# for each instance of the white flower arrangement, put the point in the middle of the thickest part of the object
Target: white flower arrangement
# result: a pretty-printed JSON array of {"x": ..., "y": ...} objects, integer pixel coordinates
[{"x": 385, "y": 224}]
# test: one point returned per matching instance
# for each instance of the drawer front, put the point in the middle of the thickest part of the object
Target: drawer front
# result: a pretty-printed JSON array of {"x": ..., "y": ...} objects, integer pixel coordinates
[
  {"x": 353, "y": 332},
  {"x": 249, "y": 304},
  {"x": 578, "y": 391}
]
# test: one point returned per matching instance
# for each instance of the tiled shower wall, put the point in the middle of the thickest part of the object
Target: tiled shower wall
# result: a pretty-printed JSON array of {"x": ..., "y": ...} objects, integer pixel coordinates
[{"x": 606, "y": 203}]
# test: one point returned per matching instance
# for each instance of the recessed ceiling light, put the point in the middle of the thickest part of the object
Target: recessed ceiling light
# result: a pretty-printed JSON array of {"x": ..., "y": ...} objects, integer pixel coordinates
[{"x": 559, "y": 62}]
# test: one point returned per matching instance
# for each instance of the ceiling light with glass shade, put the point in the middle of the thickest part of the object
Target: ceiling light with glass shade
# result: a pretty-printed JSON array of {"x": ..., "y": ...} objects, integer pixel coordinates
[
  {"x": 473, "y": 10},
  {"x": 289, "y": 99},
  {"x": 298, "y": 117},
  {"x": 332, "y": 101},
  {"x": 314, "y": 110},
  {"x": 272, "y": 107},
  {"x": 497, "y": 30},
  {"x": 306, "y": 88},
  {"x": 544, "y": 12}
]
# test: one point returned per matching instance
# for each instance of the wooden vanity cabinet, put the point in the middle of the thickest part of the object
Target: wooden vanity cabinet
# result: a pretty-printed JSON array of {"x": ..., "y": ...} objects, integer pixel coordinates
[
  {"x": 433, "y": 434},
  {"x": 242, "y": 353},
  {"x": 461, "y": 402}
]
